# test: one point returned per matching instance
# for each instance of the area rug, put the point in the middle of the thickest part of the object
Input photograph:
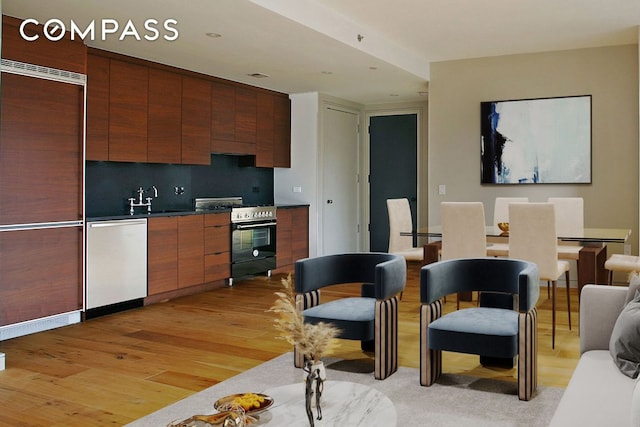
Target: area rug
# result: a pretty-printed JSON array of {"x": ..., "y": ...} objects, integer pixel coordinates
[{"x": 455, "y": 400}]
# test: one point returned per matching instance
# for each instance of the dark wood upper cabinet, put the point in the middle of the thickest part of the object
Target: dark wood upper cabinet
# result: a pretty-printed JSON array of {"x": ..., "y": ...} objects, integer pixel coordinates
[
  {"x": 196, "y": 121},
  {"x": 65, "y": 54},
  {"x": 265, "y": 129},
  {"x": 97, "y": 108},
  {"x": 128, "y": 98},
  {"x": 246, "y": 117},
  {"x": 164, "y": 127},
  {"x": 223, "y": 119}
]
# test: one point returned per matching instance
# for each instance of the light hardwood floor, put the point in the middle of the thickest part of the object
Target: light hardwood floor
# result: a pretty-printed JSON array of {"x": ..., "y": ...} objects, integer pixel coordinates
[{"x": 114, "y": 369}]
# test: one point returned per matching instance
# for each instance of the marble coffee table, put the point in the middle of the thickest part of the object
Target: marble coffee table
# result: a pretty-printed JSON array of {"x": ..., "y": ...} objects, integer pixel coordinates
[{"x": 343, "y": 404}]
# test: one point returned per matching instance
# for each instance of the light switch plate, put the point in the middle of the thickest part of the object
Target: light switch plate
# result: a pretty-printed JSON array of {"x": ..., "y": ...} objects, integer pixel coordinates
[
  {"x": 442, "y": 189},
  {"x": 297, "y": 189}
]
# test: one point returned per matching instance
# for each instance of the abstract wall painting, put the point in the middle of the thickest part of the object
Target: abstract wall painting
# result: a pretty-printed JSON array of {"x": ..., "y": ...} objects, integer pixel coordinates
[{"x": 536, "y": 141}]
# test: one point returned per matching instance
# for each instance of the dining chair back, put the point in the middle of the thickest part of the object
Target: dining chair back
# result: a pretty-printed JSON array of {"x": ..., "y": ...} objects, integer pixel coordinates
[
  {"x": 498, "y": 246},
  {"x": 501, "y": 208},
  {"x": 569, "y": 222},
  {"x": 463, "y": 234},
  {"x": 400, "y": 221},
  {"x": 463, "y": 230},
  {"x": 533, "y": 237}
]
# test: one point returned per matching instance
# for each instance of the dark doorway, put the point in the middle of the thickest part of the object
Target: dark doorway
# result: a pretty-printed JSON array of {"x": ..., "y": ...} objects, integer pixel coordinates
[{"x": 393, "y": 171}]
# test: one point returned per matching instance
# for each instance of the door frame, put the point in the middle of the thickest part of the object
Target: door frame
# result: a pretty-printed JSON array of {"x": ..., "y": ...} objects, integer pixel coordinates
[
  {"x": 366, "y": 164},
  {"x": 320, "y": 200}
]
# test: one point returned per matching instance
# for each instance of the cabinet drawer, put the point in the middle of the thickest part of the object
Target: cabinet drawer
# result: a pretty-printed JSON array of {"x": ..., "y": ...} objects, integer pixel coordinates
[
  {"x": 212, "y": 220},
  {"x": 217, "y": 239},
  {"x": 217, "y": 267}
]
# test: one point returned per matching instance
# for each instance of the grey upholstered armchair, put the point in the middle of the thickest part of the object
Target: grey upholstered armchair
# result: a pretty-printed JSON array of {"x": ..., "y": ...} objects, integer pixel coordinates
[
  {"x": 371, "y": 318},
  {"x": 502, "y": 327}
]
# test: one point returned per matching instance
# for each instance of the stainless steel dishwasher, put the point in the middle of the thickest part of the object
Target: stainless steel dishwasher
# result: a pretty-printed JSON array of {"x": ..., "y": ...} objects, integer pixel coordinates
[{"x": 116, "y": 262}]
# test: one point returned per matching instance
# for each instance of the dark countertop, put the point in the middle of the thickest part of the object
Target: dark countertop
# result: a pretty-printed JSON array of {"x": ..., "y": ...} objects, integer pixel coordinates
[{"x": 173, "y": 212}]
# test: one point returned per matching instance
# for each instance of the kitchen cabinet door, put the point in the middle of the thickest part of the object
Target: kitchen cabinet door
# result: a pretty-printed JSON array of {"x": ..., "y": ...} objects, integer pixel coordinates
[
  {"x": 300, "y": 233},
  {"x": 265, "y": 129},
  {"x": 128, "y": 99},
  {"x": 190, "y": 250},
  {"x": 41, "y": 273},
  {"x": 223, "y": 117},
  {"x": 162, "y": 254},
  {"x": 64, "y": 54},
  {"x": 97, "y": 145},
  {"x": 283, "y": 238},
  {"x": 164, "y": 128},
  {"x": 41, "y": 151},
  {"x": 246, "y": 119},
  {"x": 282, "y": 132},
  {"x": 196, "y": 121},
  {"x": 217, "y": 241}
]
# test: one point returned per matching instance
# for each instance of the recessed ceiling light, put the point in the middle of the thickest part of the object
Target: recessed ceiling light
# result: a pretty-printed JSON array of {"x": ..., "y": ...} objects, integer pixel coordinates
[
  {"x": 327, "y": 72},
  {"x": 393, "y": 94},
  {"x": 257, "y": 75},
  {"x": 213, "y": 35},
  {"x": 373, "y": 68}
]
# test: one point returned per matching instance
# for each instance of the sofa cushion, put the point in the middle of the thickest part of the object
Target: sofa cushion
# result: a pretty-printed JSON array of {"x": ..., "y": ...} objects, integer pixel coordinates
[
  {"x": 598, "y": 394},
  {"x": 624, "y": 344}
]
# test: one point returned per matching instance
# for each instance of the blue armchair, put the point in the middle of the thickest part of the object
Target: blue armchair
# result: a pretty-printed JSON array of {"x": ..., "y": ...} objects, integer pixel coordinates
[
  {"x": 502, "y": 327},
  {"x": 371, "y": 318}
]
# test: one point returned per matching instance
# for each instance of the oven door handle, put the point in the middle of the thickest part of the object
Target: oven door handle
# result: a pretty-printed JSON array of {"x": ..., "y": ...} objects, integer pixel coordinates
[{"x": 249, "y": 226}]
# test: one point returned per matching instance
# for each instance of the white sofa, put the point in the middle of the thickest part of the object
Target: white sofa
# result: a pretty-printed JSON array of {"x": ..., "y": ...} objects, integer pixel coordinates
[{"x": 598, "y": 394}]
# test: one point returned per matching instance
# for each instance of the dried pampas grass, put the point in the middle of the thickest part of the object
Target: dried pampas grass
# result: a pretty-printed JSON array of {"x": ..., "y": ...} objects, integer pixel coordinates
[{"x": 312, "y": 340}]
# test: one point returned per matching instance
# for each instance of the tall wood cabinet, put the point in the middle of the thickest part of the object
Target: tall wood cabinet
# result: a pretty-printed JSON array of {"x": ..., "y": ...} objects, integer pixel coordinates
[{"x": 41, "y": 164}]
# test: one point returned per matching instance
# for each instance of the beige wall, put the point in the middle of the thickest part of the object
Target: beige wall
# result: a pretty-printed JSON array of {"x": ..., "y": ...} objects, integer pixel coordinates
[{"x": 609, "y": 74}]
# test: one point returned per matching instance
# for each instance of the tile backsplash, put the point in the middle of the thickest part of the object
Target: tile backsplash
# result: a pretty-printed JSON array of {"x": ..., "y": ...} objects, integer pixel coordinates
[{"x": 110, "y": 184}]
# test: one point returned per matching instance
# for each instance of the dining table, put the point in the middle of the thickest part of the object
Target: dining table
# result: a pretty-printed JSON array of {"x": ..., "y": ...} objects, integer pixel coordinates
[{"x": 591, "y": 257}]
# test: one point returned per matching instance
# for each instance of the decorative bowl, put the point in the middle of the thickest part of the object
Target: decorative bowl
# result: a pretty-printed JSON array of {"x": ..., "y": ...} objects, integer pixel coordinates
[{"x": 504, "y": 226}]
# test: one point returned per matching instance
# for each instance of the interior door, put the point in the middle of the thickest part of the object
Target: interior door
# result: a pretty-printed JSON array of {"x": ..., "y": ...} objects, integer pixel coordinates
[
  {"x": 393, "y": 149},
  {"x": 339, "y": 220}
]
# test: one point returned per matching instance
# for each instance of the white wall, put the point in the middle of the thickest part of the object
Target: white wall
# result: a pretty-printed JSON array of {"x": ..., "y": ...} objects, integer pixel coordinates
[{"x": 304, "y": 163}]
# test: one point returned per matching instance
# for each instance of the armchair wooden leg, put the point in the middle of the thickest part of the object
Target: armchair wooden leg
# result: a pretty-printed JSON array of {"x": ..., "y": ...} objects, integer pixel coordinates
[
  {"x": 527, "y": 354},
  {"x": 386, "y": 337},
  {"x": 304, "y": 301},
  {"x": 566, "y": 277},
  {"x": 430, "y": 360}
]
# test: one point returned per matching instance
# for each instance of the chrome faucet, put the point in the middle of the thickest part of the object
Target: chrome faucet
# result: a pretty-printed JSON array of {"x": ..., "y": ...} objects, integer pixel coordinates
[{"x": 139, "y": 203}]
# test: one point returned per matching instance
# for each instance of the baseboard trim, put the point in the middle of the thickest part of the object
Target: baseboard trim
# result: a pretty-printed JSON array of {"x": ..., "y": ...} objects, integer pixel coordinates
[{"x": 38, "y": 325}]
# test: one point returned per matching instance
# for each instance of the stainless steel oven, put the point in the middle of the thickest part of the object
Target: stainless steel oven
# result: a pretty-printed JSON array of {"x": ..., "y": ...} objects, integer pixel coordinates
[{"x": 253, "y": 240}]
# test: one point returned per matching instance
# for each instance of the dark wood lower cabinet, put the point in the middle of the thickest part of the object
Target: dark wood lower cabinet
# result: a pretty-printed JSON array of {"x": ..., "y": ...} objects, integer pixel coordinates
[
  {"x": 162, "y": 254},
  {"x": 41, "y": 273},
  {"x": 292, "y": 237}
]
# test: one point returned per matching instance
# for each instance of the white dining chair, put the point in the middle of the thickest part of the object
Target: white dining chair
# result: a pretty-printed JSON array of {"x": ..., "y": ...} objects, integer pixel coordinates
[
  {"x": 569, "y": 222},
  {"x": 498, "y": 247},
  {"x": 400, "y": 221},
  {"x": 463, "y": 231},
  {"x": 533, "y": 238}
]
